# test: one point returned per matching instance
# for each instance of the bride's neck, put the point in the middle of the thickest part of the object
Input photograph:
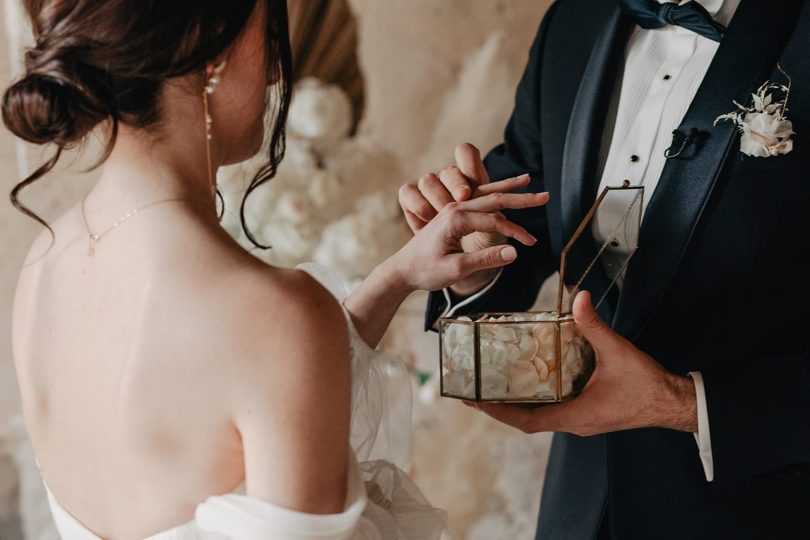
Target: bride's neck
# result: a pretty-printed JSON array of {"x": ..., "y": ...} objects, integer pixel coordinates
[{"x": 145, "y": 167}]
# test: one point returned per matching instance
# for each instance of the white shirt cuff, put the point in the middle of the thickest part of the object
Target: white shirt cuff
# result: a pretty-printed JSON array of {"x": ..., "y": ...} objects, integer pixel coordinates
[
  {"x": 450, "y": 310},
  {"x": 703, "y": 436}
]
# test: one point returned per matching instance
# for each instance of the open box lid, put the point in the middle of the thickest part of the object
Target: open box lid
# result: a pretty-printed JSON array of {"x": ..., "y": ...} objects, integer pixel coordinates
[{"x": 604, "y": 243}]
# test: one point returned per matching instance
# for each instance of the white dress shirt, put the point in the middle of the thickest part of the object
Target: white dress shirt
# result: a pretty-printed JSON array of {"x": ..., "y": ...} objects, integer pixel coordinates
[{"x": 662, "y": 73}]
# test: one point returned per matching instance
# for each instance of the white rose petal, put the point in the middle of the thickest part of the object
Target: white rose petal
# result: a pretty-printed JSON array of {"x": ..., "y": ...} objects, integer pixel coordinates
[
  {"x": 462, "y": 360},
  {"x": 547, "y": 388},
  {"x": 505, "y": 334},
  {"x": 494, "y": 353},
  {"x": 567, "y": 331},
  {"x": 493, "y": 383},
  {"x": 765, "y": 135},
  {"x": 319, "y": 111},
  {"x": 528, "y": 348},
  {"x": 523, "y": 380},
  {"x": 456, "y": 333},
  {"x": 457, "y": 384},
  {"x": 325, "y": 188},
  {"x": 293, "y": 207}
]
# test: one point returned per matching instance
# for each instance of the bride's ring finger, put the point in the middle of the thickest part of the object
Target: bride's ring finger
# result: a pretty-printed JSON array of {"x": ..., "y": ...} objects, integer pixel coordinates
[{"x": 496, "y": 202}]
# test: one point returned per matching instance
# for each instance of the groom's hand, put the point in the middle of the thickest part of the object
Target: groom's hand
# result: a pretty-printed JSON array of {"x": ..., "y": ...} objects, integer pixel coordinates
[
  {"x": 467, "y": 179},
  {"x": 628, "y": 390}
]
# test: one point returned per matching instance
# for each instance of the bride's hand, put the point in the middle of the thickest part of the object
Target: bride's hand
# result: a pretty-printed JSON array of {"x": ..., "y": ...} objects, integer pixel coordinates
[
  {"x": 435, "y": 258},
  {"x": 467, "y": 179}
]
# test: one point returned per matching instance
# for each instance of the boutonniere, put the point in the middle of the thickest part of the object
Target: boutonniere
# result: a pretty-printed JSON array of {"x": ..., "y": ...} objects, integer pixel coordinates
[{"x": 765, "y": 129}]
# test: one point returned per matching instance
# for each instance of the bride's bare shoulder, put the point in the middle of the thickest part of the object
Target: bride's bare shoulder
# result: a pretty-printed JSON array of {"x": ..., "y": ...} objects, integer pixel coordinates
[
  {"x": 282, "y": 322},
  {"x": 292, "y": 396},
  {"x": 290, "y": 302}
]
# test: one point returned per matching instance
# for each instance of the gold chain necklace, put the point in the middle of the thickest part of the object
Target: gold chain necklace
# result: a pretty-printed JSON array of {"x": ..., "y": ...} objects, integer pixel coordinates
[{"x": 96, "y": 238}]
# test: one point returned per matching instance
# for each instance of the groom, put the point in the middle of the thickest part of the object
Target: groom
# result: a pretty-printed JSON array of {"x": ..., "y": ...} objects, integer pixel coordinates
[{"x": 696, "y": 423}]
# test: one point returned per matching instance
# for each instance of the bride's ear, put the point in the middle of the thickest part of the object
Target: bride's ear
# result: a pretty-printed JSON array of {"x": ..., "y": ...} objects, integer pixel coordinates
[{"x": 213, "y": 76}]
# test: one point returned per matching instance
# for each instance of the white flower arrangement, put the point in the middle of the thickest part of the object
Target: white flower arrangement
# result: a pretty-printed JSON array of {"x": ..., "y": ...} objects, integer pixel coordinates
[
  {"x": 765, "y": 129},
  {"x": 333, "y": 199}
]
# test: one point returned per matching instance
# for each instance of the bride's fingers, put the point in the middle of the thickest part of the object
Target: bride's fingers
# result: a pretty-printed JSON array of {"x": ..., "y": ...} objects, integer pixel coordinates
[
  {"x": 465, "y": 223},
  {"x": 493, "y": 257},
  {"x": 501, "y": 201},
  {"x": 502, "y": 186}
]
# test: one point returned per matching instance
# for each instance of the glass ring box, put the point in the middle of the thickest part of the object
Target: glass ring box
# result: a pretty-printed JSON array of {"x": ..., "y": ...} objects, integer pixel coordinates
[{"x": 541, "y": 357}]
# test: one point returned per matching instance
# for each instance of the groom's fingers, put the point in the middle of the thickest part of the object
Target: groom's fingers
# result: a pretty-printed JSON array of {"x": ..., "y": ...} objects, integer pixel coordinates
[
  {"x": 434, "y": 191},
  {"x": 412, "y": 200},
  {"x": 455, "y": 183},
  {"x": 553, "y": 417},
  {"x": 468, "y": 159},
  {"x": 517, "y": 417}
]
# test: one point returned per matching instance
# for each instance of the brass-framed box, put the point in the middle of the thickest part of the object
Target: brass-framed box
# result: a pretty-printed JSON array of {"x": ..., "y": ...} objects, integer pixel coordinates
[{"x": 540, "y": 356}]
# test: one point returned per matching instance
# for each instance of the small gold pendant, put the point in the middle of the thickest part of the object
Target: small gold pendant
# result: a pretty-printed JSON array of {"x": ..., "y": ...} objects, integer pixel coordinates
[{"x": 91, "y": 248}]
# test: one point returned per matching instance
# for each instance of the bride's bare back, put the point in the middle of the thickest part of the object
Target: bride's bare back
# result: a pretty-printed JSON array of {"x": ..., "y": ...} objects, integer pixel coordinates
[{"x": 144, "y": 371}]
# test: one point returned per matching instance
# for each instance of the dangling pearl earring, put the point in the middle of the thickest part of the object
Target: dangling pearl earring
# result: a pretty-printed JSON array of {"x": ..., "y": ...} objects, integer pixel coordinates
[{"x": 214, "y": 78}]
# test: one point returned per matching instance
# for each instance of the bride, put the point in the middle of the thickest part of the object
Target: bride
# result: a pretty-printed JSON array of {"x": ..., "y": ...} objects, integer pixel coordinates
[{"x": 173, "y": 385}]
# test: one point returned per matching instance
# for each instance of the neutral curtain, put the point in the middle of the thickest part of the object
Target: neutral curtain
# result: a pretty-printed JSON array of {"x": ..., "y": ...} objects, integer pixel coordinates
[{"x": 324, "y": 44}]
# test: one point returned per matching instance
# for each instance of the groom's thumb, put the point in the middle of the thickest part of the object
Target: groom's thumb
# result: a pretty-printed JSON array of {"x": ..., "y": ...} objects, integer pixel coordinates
[{"x": 592, "y": 327}]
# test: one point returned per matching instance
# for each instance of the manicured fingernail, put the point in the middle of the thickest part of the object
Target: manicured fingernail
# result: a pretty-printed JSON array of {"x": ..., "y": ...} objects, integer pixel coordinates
[
  {"x": 524, "y": 176},
  {"x": 508, "y": 253},
  {"x": 534, "y": 240}
]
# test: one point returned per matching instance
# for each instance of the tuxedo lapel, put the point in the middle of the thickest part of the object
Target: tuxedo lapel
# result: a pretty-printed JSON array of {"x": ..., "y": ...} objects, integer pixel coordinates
[
  {"x": 745, "y": 59},
  {"x": 583, "y": 139},
  {"x": 587, "y": 121}
]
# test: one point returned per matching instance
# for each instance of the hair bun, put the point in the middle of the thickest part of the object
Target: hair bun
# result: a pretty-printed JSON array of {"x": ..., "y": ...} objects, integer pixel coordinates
[{"x": 42, "y": 109}]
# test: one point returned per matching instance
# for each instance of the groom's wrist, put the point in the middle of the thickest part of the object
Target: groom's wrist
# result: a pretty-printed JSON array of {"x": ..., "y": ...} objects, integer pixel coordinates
[
  {"x": 679, "y": 409},
  {"x": 474, "y": 284}
]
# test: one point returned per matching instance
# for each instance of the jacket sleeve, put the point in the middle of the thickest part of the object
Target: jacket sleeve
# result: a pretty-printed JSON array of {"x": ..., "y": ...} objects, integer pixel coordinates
[
  {"x": 759, "y": 428},
  {"x": 520, "y": 153}
]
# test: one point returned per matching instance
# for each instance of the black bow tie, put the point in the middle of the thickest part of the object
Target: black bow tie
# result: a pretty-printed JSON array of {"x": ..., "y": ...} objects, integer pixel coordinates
[{"x": 690, "y": 15}]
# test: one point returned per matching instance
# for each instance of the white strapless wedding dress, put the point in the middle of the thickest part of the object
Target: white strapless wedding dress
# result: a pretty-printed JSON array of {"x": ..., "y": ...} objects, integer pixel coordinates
[{"x": 382, "y": 503}]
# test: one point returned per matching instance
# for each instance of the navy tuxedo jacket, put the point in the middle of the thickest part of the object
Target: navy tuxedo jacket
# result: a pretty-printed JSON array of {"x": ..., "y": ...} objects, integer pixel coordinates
[{"x": 720, "y": 284}]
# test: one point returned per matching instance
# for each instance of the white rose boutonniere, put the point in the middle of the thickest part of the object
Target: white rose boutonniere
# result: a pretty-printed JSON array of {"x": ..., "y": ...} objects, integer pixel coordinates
[{"x": 765, "y": 129}]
